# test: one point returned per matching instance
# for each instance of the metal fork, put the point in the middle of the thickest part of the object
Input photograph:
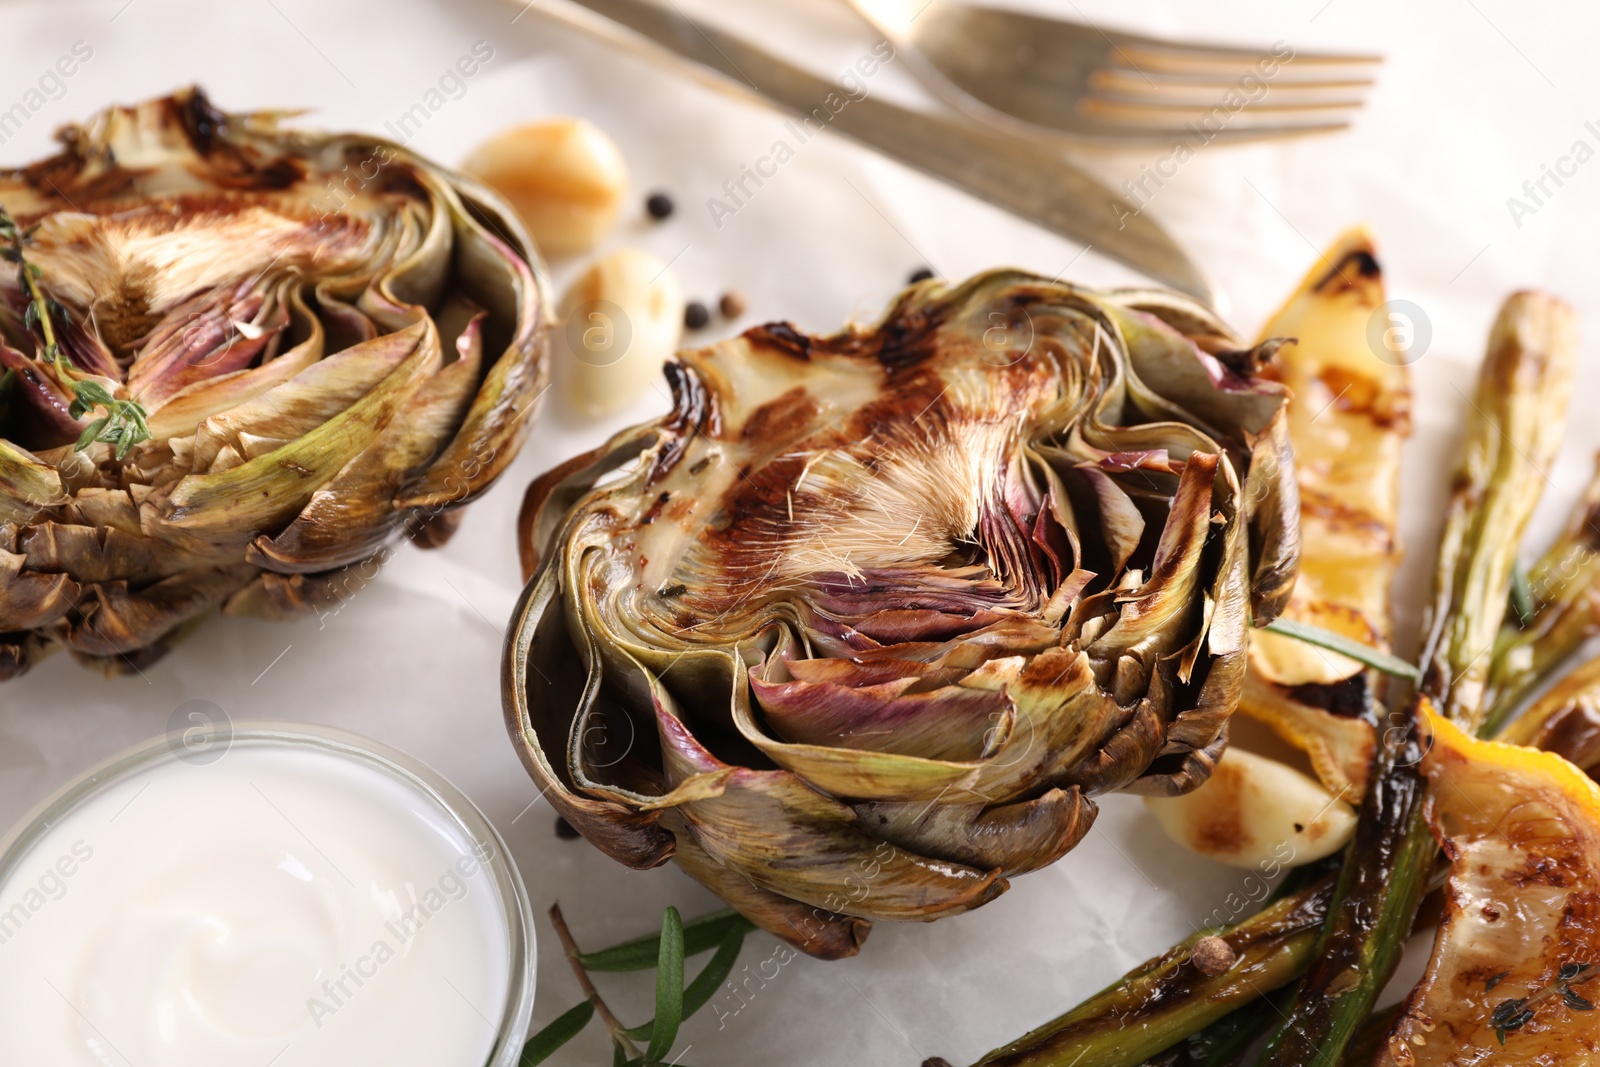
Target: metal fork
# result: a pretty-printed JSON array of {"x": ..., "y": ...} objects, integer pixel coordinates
[{"x": 1086, "y": 82}]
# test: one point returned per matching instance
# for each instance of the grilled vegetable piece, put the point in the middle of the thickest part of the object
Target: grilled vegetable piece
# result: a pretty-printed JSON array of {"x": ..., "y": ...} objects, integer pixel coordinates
[
  {"x": 867, "y": 619},
  {"x": 1349, "y": 416},
  {"x": 1566, "y": 719},
  {"x": 1162, "y": 1002},
  {"x": 1564, "y": 587},
  {"x": 1509, "y": 980},
  {"x": 326, "y": 342},
  {"x": 1254, "y": 811}
]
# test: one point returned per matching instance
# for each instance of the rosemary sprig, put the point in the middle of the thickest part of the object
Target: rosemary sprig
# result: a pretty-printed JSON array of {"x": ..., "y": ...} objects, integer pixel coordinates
[
  {"x": 124, "y": 423},
  {"x": 1363, "y": 654},
  {"x": 722, "y": 930}
]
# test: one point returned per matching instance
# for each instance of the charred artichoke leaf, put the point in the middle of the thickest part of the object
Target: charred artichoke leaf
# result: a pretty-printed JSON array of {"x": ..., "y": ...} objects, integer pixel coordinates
[{"x": 886, "y": 609}]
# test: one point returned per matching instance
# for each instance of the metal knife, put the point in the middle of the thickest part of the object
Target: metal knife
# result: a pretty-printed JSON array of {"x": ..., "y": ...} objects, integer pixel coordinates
[{"x": 1030, "y": 180}]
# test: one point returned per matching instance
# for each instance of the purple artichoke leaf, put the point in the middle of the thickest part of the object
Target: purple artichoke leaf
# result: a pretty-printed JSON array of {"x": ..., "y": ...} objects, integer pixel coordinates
[
  {"x": 39, "y": 406},
  {"x": 789, "y": 838},
  {"x": 182, "y": 413},
  {"x": 354, "y": 514}
]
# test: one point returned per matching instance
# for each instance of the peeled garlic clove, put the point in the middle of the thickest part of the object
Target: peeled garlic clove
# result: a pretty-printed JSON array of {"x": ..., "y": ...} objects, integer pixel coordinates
[
  {"x": 565, "y": 177},
  {"x": 621, "y": 319},
  {"x": 1256, "y": 812}
]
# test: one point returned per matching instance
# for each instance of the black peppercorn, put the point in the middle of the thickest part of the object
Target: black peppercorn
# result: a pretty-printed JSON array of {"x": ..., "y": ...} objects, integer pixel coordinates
[
  {"x": 695, "y": 315},
  {"x": 659, "y": 205}
]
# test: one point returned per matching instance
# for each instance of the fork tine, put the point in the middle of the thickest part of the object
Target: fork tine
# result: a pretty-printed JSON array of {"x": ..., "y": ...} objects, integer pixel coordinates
[
  {"x": 1139, "y": 109},
  {"x": 1142, "y": 116},
  {"x": 1181, "y": 60},
  {"x": 1202, "y": 53},
  {"x": 1227, "y": 135},
  {"x": 1134, "y": 110},
  {"x": 1206, "y": 92}
]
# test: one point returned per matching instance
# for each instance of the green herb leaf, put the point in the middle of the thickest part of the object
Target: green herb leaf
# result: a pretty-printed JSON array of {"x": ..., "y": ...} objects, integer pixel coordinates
[
  {"x": 669, "y": 987},
  {"x": 1521, "y": 596},
  {"x": 1371, "y": 657},
  {"x": 641, "y": 954},
  {"x": 123, "y": 425},
  {"x": 711, "y": 976},
  {"x": 90, "y": 432},
  {"x": 566, "y": 1027}
]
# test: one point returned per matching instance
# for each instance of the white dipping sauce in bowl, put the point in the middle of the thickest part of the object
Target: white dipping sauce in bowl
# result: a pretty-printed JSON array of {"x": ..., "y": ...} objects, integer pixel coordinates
[{"x": 296, "y": 897}]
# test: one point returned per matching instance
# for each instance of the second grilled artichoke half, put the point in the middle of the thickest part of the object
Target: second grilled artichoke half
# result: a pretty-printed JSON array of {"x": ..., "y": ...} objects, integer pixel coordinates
[
  {"x": 237, "y": 361},
  {"x": 859, "y": 627}
]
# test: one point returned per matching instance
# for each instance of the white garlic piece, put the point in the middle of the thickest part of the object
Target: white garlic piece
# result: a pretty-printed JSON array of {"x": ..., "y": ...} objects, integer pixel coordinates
[
  {"x": 1256, "y": 812},
  {"x": 564, "y": 177},
  {"x": 620, "y": 321}
]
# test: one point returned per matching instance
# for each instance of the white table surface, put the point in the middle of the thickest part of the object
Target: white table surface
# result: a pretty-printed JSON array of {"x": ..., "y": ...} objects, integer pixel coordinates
[{"x": 1476, "y": 96}]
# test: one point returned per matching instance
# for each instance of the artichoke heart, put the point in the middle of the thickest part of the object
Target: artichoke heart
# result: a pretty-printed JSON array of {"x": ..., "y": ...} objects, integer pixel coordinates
[
  {"x": 858, "y": 628},
  {"x": 239, "y": 361}
]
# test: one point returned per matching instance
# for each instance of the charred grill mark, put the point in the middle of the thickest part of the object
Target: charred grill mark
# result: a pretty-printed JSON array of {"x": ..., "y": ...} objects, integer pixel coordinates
[
  {"x": 402, "y": 181},
  {"x": 1351, "y": 698},
  {"x": 1541, "y": 869},
  {"x": 654, "y": 511},
  {"x": 201, "y": 121},
  {"x": 1358, "y": 394},
  {"x": 908, "y": 342},
  {"x": 693, "y": 412},
  {"x": 1351, "y": 272},
  {"x": 795, "y": 408},
  {"x": 1573, "y": 733},
  {"x": 1335, "y": 513},
  {"x": 757, "y": 496},
  {"x": 781, "y": 336}
]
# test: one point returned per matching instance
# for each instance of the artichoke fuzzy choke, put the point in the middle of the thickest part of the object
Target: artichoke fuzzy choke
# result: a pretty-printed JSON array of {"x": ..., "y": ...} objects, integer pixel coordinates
[
  {"x": 858, "y": 628},
  {"x": 325, "y": 342}
]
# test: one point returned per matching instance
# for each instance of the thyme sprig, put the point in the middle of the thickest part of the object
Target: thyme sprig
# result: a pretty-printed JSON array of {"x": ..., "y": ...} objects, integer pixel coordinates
[
  {"x": 1515, "y": 1013},
  {"x": 40, "y": 311},
  {"x": 124, "y": 423},
  {"x": 122, "y": 426}
]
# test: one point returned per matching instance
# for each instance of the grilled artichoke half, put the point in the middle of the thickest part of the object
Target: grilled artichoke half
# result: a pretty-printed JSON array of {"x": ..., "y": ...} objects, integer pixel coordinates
[
  {"x": 856, "y": 630},
  {"x": 333, "y": 343}
]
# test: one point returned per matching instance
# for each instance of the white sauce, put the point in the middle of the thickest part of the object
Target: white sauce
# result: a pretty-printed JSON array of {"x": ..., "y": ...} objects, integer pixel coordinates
[{"x": 283, "y": 905}]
